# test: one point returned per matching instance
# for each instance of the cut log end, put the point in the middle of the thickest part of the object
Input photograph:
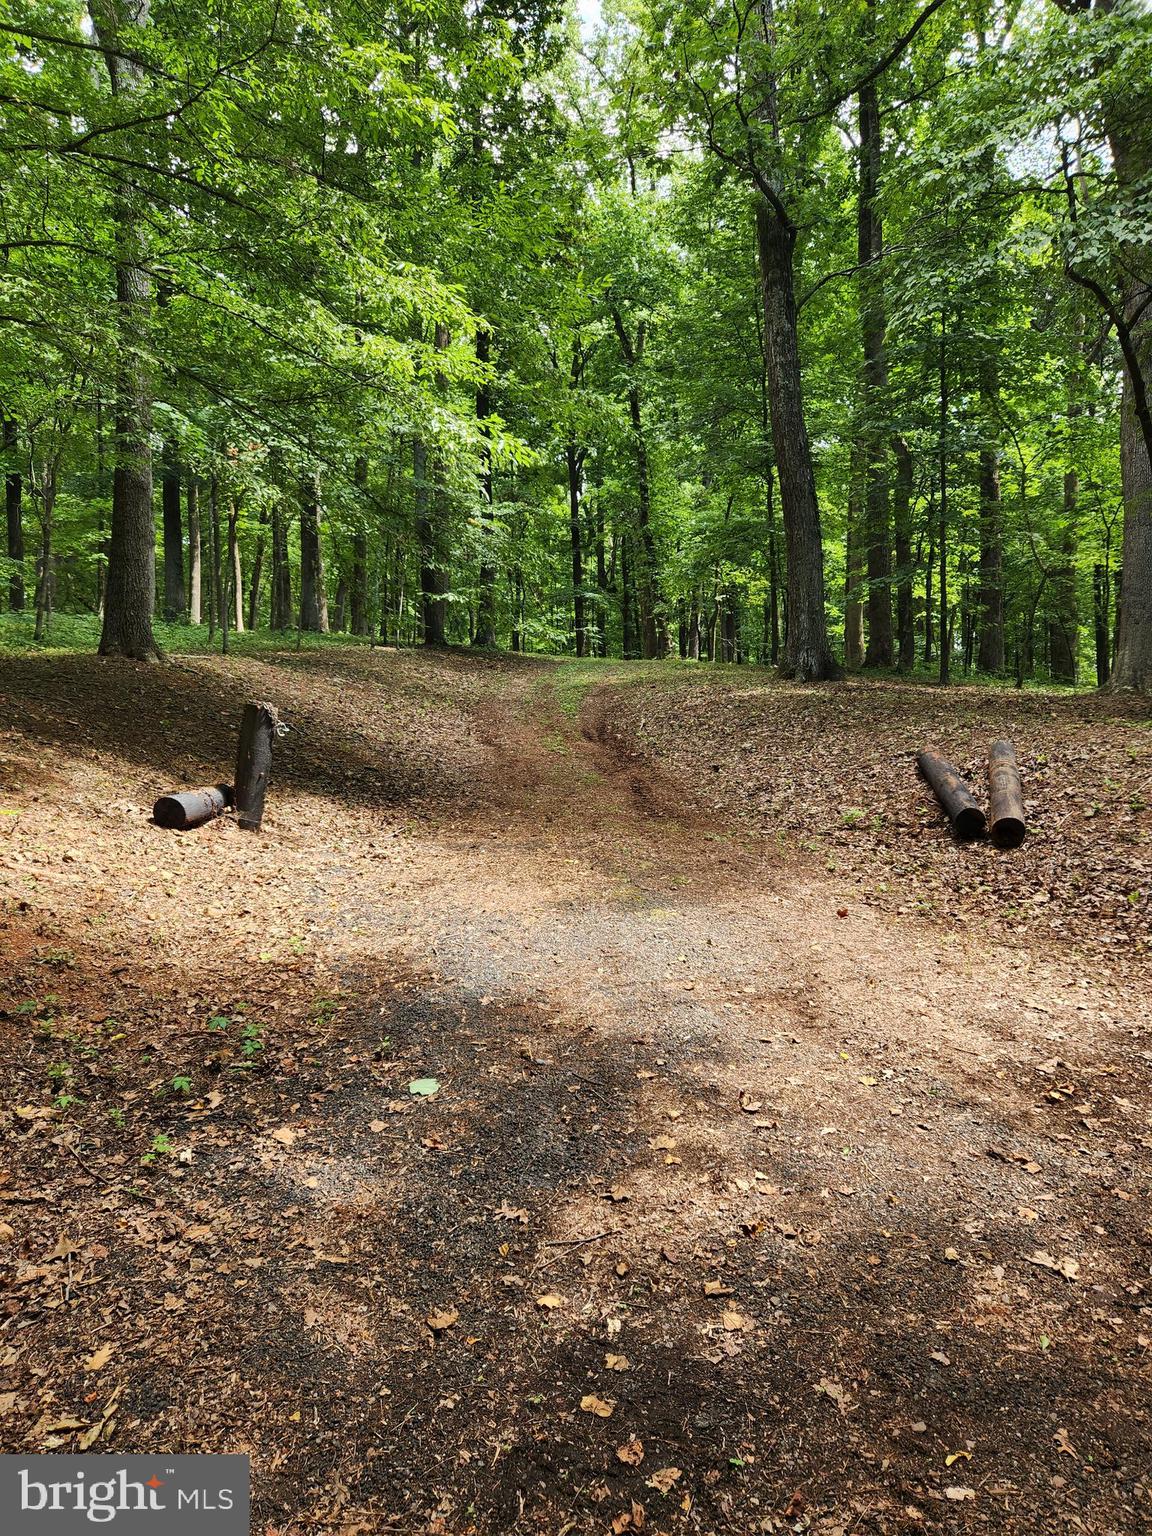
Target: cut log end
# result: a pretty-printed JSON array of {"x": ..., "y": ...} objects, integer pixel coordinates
[
  {"x": 192, "y": 807},
  {"x": 969, "y": 823},
  {"x": 1008, "y": 832}
]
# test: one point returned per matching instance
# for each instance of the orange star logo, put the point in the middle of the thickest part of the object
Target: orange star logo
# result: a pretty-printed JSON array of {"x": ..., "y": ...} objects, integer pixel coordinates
[{"x": 154, "y": 1482}]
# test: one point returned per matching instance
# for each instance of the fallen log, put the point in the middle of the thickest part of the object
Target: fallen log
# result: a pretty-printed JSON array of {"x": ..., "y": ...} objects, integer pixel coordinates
[
  {"x": 258, "y": 727},
  {"x": 955, "y": 797},
  {"x": 192, "y": 807},
  {"x": 1005, "y": 797}
]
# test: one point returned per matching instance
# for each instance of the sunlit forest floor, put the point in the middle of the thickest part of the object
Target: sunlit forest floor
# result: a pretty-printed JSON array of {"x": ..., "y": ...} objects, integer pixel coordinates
[{"x": 773, "y": 1164}]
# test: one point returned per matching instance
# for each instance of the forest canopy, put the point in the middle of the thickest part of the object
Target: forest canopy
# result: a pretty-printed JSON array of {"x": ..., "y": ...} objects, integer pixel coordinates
[{"x": 768, "y": 330}]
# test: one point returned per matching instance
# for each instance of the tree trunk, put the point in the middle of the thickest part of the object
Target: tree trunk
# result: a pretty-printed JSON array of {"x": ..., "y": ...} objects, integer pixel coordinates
[
  {"x": 130, "y": 591},
  {"x": 13, "y": 503},
  {"x": 902, "y": 521},
  {"x": 235, "y": 572},
  {"x": 1064, "y": 614},
  {"x": 174, "y": 609},
  {"x": 313, "y": 602},
  {"x": 870, "y": 249},
  {"x": 990, "y": 589},
  {"x": 807, "y": 655},
  {"x": 485, "y": 637},
  {"x": 280, "y": 602},
  {"x": 1101, "y": 602},
  {"x": 602, "y": 582},
  {"x": 429, "y": 531},
  {"x": 257, "y": 572},
  {"x": 192, "y": 505},
  {"x": 574, "y": 460},
  {"x": 854, "y": 570},
  {"x": 772, "y": 613},
  {"x": 358, "y": 585},
  {"x": 628, "y": 647},
  {"x": 46, "y": 496},
  {"x": 945, "y": 630}
]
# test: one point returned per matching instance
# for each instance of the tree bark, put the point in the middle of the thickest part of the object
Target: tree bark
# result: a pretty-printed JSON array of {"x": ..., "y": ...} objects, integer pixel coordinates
[
  {"x": 13, "y": 505},
  {"x": 429, "y": 530},
  {"x": 807, "y": 655},
  {"x": 902, "y": 522},
  {"x": 235, "y": 571},
  {"x": 130, "y": 591},
  {"x": 653, "y": 627},
  {"x": 280, "y": 603},
  {"x": 313, "y": 602},
  {"x": 990, "y": 588},
  {"x": 945, "y": 632},
  {"x": 257, "y": 571},
  {"x": 192, "y": 506},
  {"x": 854, "y": 568},
  {"x": 870, "y": 249},
  {"x": 174, "y": 607},
  {"x": 485, "y": 637},
  {"x": 574, "y": 461}
]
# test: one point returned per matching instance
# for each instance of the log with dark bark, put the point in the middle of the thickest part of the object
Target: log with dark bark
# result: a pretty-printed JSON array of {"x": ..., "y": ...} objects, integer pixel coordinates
[
  {"x": 967, "y": 819},
  {"x": 254, "y": 762},
  {"x": 192, "y": 807},
  {"x": 1005, "y": 797}
]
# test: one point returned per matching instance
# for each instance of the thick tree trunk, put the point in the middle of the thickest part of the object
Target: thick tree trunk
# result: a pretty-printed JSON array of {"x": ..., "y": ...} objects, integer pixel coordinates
[
  {"x": 945, "y": 629},
  {"x": 280, "y": 614},
  {"x": 870, "y": 249},
  {"x": 902, "y": 522},
  {"x": 485, "y": 637},
  {"x": 174, "y": 608},
  {"x": 313, "y": 602},
  {"x": 130, "y": 592},
  {"x": 13, "y": 505},
  {"x": 192, "y": 506},
  {"x": 807, "y": 655},
  {"x": 1064, "y": 619},
  {"x": 1132, "y": 668},
  {"x": 772, "y": 609},
  {"x": 628, "y": 647},
  {"x": 854, "y": 568},
  {"x": 653, "y": 626}
]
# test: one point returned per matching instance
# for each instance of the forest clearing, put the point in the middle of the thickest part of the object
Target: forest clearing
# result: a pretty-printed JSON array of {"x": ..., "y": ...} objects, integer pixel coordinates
[{"x": 772, "y": 1168}]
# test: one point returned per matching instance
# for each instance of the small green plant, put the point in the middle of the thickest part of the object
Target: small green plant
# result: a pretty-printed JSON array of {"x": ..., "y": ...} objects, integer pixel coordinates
[
  {"x": 181, "y": 1085},
  {"x": 251, "y": 1040},
  {"x": 117, "y": 1117},
  {"x": 161, "y": 1147},
  {"x": 65, "y": 1100},
  {"x": 219, "y": 1021},
  {"x": 852, "y": 816},
  {"x": 59, "y": 1070}
]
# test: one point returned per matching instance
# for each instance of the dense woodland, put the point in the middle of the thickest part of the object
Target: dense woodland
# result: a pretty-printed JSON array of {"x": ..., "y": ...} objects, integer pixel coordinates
[{"x": 774, "y": 330}]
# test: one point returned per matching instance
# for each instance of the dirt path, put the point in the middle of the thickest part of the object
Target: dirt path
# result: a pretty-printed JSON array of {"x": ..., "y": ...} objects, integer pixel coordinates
[{"x": 738, "y": 1207}]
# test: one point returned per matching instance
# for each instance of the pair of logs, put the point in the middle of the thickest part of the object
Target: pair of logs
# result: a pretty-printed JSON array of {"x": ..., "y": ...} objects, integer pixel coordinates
[
  {"x": 193, "y": 807},
  {"x": 1005, "y": 796}
]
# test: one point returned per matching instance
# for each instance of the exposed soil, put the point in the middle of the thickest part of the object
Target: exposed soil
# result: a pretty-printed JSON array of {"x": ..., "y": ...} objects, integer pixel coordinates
[{"x": 746, "y": 1201}]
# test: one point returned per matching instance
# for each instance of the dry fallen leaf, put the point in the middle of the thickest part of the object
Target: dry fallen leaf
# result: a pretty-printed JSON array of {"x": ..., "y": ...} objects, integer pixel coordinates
[
  {"x": 616, "y": 1362},
  {"x": 98, "y": 1360},
  {"x": 551, "y": 1301},
  {"x": 632, "y": 1453},
  {"x": 838, "y": 1394},
  {"x": 284, "y": 1134},
  {"x": 601, "y": 1407},
  {"x": 733, "y": 1321},
  {"x": 663, "y": 1480},
  {"x": 1069, "y": 1268},
  {"x": 440, "y": 1321},
  {"x": 959, "y": 1493},
  {"x": 716, "y": 1288}
]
